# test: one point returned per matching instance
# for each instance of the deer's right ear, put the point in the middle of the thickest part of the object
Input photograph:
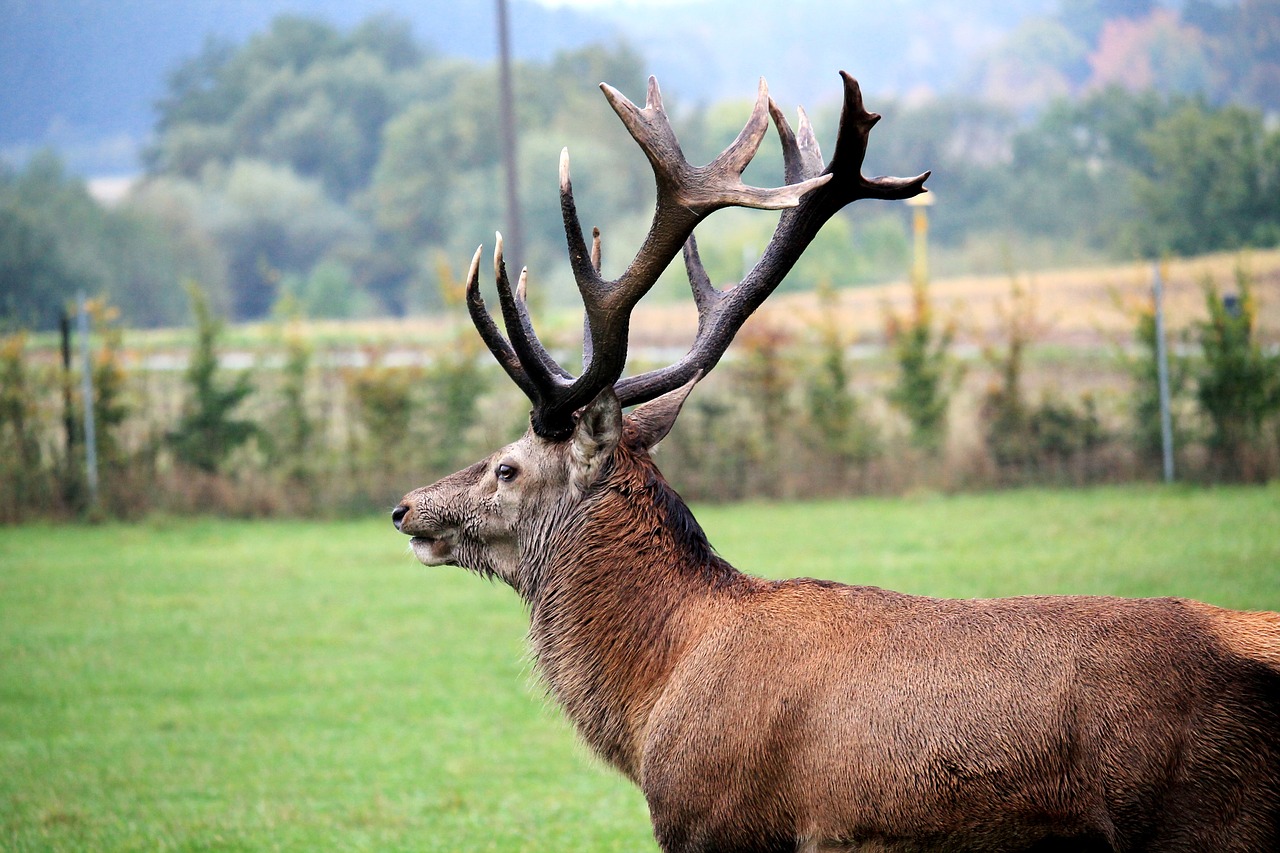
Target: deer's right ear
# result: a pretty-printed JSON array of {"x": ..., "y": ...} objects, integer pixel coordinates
[
  {"x": 595, "y": 437},
  {"x": 651, "y": 422}
]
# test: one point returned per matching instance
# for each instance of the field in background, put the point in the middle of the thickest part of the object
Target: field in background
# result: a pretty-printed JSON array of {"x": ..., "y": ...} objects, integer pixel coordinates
[
  {"x": 1086, "y": 307},
  {"x": 288, "y": 685},
  {"x": 1082, "y": 307}
]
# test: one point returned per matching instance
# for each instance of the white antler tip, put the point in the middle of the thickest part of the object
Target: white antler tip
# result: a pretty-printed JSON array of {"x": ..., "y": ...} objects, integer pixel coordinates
[{"x": 653, "y": 96}]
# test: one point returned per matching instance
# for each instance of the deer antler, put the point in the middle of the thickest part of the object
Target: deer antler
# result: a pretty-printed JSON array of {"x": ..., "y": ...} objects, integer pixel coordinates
[
  {"x": 722, "y": 313},
  {"x": 685, "y": 196}
]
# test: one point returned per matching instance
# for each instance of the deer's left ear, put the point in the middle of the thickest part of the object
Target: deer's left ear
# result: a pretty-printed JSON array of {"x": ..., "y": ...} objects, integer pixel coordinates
[
  {"x": 595, "y": 437},
  {"x": 651, "y": 422}
]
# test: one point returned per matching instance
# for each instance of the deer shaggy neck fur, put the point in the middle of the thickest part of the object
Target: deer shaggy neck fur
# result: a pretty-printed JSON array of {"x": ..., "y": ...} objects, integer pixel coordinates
[{"x": 618, "y": 600}]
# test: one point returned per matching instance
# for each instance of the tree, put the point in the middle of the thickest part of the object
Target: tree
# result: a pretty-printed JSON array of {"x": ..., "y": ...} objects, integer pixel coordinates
[
  {"x": 25, "y": 481},
  {"x": 207, "y": 432},
  {"x": 1214, "y": 178},
  {"x": 835, "y": 415},
  {"x": 56, "y": 241},
  {"x": 309, "y": 145},
  {"x": 35, "y": 280},
  {"x": 1154, "y": 53},
  {"x": 1238, "y": 385},
  {"x": 927, "y": 375},
  {"x": 302, "y": 95},
  {"x": 1072, "y": 170},
  {"x": 48, "y": 231},
  {"x": 272, "y": 223}
]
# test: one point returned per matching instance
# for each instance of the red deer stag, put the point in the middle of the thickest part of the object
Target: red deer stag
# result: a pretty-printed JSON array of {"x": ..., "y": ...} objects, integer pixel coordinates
[{"x": 804, "y": 715}]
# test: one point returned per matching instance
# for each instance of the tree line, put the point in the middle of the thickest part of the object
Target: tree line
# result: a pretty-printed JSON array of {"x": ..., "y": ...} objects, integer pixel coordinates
[{"x": 351, "y": 173}]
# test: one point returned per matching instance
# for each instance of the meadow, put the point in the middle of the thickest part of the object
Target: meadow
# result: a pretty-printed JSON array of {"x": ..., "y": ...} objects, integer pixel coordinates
[{"x": 203, "y": 684}]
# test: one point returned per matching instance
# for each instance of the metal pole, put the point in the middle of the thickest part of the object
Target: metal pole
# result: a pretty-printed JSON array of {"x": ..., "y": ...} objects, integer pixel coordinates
[
  {"x": 68, "y": 405},
  {"x": 920, "y": 232},
  {"x": 86, "y": 393},
  {"x": 1162, "y": 373},
  {"x": 920, "y": 229},
  {"x": 514, "y": 237}
]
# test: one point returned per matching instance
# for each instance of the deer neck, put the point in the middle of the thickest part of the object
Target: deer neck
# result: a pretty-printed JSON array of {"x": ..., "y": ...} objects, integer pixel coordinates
[{"x": 618, "y": 604}]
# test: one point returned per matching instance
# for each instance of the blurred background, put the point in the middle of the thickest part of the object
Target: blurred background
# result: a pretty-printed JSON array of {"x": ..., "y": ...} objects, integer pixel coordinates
[
  {"x": 233, "y": 238},
  {"x": 268, "y": 208}
]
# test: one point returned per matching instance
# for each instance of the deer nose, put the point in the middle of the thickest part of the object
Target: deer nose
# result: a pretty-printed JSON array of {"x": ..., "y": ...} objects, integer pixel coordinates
[{"x": 398, "y": 514}]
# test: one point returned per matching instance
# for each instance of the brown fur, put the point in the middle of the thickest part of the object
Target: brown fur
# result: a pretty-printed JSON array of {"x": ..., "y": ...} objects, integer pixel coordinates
[{"x": 807, "y": 715}]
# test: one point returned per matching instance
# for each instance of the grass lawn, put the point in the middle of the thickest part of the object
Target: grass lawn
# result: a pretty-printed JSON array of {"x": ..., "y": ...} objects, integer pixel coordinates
[{"x": 225, "y": 685}]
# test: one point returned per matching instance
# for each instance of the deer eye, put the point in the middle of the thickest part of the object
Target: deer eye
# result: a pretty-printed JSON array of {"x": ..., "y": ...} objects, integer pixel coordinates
[{"x": 506, "y": 473}]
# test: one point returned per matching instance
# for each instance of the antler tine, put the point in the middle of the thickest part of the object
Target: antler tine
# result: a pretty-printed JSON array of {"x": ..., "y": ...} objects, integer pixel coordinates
[
  {"x": 720, "y": 318},
  {"x": 588, "y": 349},
  {"x": 705, "y": 295},
  {"x": 704, "y": 190},
  {"x": 851, "y": 150},
  {"x": 801, "y": 156},
  {"x": 493, "y": 339},
  {"x": 586, "y": 271},
  {"x": 540, "y": 368}
]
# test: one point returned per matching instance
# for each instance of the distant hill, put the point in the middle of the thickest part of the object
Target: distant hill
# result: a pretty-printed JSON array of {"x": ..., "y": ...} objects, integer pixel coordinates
[{"x": 82, "y": 75}]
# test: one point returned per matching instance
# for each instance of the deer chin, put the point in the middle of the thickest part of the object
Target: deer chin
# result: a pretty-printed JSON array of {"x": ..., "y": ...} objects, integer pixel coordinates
[{"x": 434, "y": 551}]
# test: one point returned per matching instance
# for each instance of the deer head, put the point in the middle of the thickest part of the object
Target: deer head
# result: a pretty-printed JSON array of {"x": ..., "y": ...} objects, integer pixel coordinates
[{"x": 497, "y": 515}]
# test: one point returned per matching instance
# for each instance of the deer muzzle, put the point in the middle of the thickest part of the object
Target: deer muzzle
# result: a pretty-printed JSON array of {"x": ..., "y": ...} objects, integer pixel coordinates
[
  {"x": 432, "y": 545},
  {"x": 434, "y": 550}
]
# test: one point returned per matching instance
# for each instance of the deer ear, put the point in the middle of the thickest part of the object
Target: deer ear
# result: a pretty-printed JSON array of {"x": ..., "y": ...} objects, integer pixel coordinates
[
  {"x": 650, "y": 423},
  {"x": 595, "y": 437}
]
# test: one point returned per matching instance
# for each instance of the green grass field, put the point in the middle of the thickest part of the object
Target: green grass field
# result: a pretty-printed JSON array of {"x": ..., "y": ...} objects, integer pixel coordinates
[{"x": 219, "y": 685}]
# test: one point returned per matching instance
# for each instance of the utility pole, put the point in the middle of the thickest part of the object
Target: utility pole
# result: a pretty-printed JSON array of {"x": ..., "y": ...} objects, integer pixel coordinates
[
  {"x": 920, "y": 233},
  {"x": 514, "y": 238}
]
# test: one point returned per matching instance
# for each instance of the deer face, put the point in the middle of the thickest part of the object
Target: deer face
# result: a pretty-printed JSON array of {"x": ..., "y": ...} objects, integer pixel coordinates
[
  {"x": 494, "y": 515},
  {"x": 489, "y": 516}
]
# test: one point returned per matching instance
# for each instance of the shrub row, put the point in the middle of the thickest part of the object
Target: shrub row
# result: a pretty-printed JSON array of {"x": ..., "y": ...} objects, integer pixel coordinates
[{"x": 787, "y": 414}]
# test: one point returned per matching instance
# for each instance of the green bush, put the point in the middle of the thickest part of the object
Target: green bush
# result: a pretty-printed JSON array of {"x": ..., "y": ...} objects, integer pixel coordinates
[
  {"x": 1238, "y": 385},
  {"x": 927, "y": 374},
  {"x": 207, "y": 432},
  {"x": 454, "y": 383},
  {"x": 835, "y": 417},
  {"x": 26, "y": 486}
]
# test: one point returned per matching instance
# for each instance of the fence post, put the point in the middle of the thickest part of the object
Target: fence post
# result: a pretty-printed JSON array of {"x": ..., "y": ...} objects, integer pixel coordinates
[
  {"x": 1162, "y": 372},
  {"x": 68, "y": 405},
  {"x": 86, "y": 393}
]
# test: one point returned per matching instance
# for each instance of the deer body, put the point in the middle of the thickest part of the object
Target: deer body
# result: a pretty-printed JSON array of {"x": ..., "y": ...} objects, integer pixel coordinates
[
  {"x": 805, "y": 715},
  {"x": 767, "y": 715}
]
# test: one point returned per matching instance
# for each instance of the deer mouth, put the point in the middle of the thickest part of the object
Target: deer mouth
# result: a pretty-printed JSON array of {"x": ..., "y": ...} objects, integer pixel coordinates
[{"x": 433, "y": 550}]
